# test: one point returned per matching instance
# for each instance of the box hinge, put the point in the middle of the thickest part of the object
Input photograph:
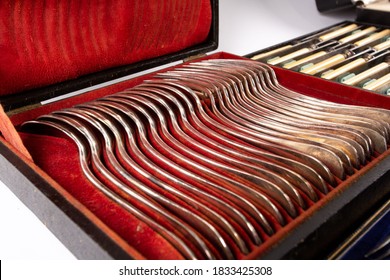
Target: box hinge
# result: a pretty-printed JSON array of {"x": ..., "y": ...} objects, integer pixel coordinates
[
  {"x": 10, "y": 112},
  {"x": 194, "y": 57}
]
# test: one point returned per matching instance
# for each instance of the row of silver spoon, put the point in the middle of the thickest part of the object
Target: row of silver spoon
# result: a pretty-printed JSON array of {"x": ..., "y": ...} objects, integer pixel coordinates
[{"x": 218, "y": 152}]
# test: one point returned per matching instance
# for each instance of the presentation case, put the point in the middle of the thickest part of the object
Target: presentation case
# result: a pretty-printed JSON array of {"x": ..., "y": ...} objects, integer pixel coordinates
[{"x": 50, "y": 183}]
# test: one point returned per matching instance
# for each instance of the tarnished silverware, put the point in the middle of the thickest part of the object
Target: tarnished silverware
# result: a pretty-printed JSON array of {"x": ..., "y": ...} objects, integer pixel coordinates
[
  {"x": 333, "y": 163},
  {"x": 178, "y": 170},
  {"x": 230, "y": 209},
  {"x": 218, "y": 151},
  {"x": 244, "y": 186},
  {"x": 189, "y": 215},
  {"x": 289, "y": 131},
  {"x": 252, "y": 138},
  {"x": 254, "y": 174},
  {"x": 377, "y": 124},
  {"x": 220, "y": 143},
  {"x": 276, "y": 115},
  {"x": 85, "y": 156},
  {"x": 177, "y": 92}
]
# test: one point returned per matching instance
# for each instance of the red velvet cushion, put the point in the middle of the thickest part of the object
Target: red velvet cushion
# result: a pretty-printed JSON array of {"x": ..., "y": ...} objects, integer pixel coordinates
[{"x": 45, "y": 42}]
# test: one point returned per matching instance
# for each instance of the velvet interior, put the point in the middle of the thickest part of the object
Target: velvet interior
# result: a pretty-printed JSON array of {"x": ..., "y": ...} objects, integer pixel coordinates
[
  {"x": 46, "y": 42},
  {"x": 47, "y": 150},
  {"x": 331, "y": 91}
]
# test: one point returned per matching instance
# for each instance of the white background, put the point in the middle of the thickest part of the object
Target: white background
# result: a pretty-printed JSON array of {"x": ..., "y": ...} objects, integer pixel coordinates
[{"x": 245, "y": 26}]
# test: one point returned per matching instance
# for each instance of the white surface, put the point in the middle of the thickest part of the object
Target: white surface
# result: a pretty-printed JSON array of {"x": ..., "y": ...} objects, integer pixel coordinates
[
  {"x": 245, "y": 26},
  {"x": 250, "y": 25}
]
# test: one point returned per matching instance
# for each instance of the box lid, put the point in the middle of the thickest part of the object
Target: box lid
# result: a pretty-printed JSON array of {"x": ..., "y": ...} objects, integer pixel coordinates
[
  {"x": 55, "y": 47},
  {"x": 367, "y": 11},
  {"x": 331, "y": 5}
]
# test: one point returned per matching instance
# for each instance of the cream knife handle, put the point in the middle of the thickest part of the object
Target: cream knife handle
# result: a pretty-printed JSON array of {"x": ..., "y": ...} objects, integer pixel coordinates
[
  {"x": 272, "y": 52},
  {"x": 303, "y": 60},
  {"x": 366, "y": 74},
  {"x": 338, "y": 32},
  {"x": 344, "y": 69},
  {"x": 378, "y": 84},
  {"x": 372, "y": 38},
  {"x": 323, "y": 65},
  {"x": 357, "y": 35},
  {"x": 289, "y": 56},
  {"x": 382, "y": 46}
]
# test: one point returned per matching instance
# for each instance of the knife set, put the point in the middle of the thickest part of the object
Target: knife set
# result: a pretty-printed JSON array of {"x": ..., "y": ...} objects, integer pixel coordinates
[{"x": 351, "y": 53}]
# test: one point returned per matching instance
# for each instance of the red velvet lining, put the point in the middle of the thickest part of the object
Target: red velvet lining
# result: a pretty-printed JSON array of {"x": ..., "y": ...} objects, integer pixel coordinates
[
  {"x": 329, "y": 90},
  {"x": 47, "y": 42},
  {"x": 66, "y": 171}
]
